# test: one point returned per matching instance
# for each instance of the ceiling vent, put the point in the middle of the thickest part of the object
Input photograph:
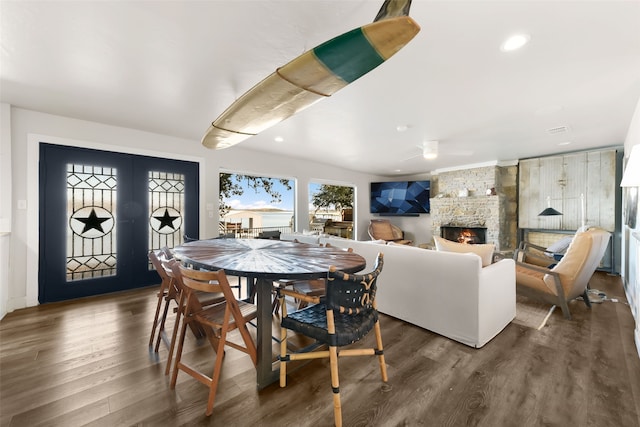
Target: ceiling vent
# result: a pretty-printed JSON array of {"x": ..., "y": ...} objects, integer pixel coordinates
[{"x": 557, "y": 130}]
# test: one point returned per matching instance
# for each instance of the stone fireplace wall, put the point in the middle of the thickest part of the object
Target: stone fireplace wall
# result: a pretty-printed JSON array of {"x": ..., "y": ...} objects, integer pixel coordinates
[{"x": 496, "y": 212}]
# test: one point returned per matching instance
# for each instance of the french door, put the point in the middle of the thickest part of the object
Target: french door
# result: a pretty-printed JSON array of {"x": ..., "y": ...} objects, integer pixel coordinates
[{"x": 102, "y": 212}]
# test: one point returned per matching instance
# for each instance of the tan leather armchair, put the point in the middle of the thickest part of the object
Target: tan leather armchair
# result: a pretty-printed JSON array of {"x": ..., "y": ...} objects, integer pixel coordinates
[
  {"x": 382, "y": 229},
  {"x": 569, "y": 278}
]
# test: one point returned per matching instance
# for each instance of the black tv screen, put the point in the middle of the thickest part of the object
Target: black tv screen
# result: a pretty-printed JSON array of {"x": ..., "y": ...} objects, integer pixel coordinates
[{"x": 400, "y": 197}]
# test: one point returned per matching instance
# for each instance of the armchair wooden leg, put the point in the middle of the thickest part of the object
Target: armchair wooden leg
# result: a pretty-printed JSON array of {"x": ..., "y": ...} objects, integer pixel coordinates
[
  {"x": 383, "y": 365},
  {"x": 155, "y": 319},
  {"x": 174, "y": 335},
  {"x": 215, "y": 378},
  {"x": 333, "y": 364},
  {"x": 335, "y": 385},
  {"x": 283, "y": 343},
  {"x": 174, "y": 376},
  {"x": 161, "y": 330},
  {"x": 565, "y": 308}
]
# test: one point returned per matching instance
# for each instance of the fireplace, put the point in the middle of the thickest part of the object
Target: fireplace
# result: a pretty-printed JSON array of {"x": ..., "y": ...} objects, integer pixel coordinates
[{"x": 469, "y": 235}]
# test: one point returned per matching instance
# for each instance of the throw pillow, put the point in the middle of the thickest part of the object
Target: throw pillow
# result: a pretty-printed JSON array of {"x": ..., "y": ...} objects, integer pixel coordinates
[
  {"x": 485, "y": 251},
  {"x": 559, "y": 246}
]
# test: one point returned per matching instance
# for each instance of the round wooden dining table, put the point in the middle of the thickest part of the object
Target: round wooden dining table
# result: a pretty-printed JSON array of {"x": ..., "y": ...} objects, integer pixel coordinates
[{"x": 266, "y": 261}]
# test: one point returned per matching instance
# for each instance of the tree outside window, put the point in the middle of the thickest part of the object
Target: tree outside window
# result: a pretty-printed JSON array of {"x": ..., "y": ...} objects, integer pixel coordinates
[
  {"x": 255, "y": 203},
  {"x": 333, "y": 200}
]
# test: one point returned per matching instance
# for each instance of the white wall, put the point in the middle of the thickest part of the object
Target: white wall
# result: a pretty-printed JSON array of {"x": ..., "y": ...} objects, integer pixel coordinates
[
  {"x": 28, "y": 128},
  {"x": 630, "y": 243},
  {"x": 5, "y": 203}
]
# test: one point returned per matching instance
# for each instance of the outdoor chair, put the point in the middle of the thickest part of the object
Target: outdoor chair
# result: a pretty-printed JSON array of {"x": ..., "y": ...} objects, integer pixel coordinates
[
  {"x": 382, "y": 229},
  {"x": 345, "y": 315},
  {"x": 569, "y": 278}
]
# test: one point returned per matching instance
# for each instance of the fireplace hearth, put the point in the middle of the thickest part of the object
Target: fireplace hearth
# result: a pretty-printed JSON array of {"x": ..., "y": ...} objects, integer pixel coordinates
[{"x": 462, "y": 234}]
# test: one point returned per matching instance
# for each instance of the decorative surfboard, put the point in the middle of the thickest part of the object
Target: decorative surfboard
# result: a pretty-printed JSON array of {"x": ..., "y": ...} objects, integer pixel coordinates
[{"x": 314, "y": 75}]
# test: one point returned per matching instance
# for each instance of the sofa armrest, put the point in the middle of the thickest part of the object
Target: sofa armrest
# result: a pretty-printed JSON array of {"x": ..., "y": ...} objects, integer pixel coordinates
[
  {"x": 496, "y": 298},
  {"x": 500, "y": 271}
]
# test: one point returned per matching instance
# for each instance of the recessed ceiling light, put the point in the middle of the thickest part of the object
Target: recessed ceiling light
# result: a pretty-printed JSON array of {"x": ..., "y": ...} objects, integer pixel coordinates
[
  {"x": 564, "y": 143},
  {"x": 515, "y": 42},
  {"x": 278, "y": 139},
  {"x": 402, "y": 128}
]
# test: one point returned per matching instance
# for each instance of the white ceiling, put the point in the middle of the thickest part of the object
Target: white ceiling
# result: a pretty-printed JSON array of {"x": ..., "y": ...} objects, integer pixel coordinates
[{"x": 172, "y": 67}]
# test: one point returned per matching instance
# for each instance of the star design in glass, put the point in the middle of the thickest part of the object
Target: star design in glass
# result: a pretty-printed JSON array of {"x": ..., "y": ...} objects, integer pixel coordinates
[
  {"x": 92, "y": 222},
  {"x": 166, "y": 220}
]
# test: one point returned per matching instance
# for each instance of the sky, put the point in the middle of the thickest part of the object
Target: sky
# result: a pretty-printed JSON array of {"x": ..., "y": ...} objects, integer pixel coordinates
[{"x": 260, "y": 200}]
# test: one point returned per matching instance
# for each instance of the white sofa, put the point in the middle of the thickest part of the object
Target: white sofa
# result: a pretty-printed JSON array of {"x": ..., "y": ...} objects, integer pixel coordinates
[{"x": 448, "y": 293}]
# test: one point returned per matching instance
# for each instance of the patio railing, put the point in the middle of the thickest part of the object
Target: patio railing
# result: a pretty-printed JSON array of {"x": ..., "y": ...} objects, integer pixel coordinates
[{"x": 251, "y": 233}]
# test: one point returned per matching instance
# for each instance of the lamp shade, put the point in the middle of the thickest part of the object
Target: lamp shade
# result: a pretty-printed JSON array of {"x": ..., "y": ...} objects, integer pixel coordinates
[
  {"x": 631, "y": 177},
  {"x": 549, "y": 212}
]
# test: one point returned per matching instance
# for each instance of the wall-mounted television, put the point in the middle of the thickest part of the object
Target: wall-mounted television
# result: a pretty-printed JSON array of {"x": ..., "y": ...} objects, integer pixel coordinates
[{"x": 400, "y": 197}]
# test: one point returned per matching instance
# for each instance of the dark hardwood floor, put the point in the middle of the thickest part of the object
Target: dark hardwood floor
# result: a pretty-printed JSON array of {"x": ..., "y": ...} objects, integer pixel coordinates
[{"x": 86, "y": 362}]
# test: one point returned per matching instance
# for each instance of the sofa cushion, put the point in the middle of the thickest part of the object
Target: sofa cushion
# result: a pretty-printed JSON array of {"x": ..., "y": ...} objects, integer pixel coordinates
[{"x": 485, "y": 251}]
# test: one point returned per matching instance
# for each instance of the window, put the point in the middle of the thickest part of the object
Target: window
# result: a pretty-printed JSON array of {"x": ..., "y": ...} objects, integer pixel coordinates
[
  {"x": 251, "y": 205},
  {"x": 331, "y": 209}
]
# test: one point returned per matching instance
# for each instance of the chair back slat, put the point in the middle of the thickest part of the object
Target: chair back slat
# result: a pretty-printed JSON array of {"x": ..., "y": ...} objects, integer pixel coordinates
[
  {"x": 209, "y": 281},
  {"x": 352, "y": 293},
  {"x": 203, "y": 282}
]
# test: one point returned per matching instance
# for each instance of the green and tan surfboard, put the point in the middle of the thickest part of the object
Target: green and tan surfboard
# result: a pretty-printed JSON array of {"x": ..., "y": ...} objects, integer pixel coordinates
[{"x": 314, "y": 75}]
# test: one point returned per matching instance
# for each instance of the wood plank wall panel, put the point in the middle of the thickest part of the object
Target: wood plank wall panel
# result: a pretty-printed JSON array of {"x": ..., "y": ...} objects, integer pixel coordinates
[{"x": 564, "y": 179}]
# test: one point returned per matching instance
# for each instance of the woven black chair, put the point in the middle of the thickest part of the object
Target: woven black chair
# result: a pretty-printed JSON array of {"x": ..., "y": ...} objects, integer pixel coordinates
[{"x": 345, "y": 315}]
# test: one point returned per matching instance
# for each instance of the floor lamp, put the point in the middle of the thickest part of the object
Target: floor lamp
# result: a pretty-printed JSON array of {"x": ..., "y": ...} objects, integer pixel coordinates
[{"x": 631, "y": 180}]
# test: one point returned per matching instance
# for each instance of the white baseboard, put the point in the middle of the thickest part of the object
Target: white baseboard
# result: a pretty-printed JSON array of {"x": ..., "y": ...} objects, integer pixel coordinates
[{"x": 16, "y": 304}]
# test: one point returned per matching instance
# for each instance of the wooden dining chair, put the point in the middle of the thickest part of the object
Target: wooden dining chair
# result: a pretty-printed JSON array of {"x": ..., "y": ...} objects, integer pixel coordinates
[
  {"x": 204, "y": 299},
  {"x": 165, "y": 295},
  {"x": 216, "y": 320},
  {"x": 345, "y": 315}
]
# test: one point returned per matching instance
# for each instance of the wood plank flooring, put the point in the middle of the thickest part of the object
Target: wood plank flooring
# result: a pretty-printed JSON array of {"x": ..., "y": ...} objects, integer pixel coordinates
[{"x": 86, "y": 362}]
